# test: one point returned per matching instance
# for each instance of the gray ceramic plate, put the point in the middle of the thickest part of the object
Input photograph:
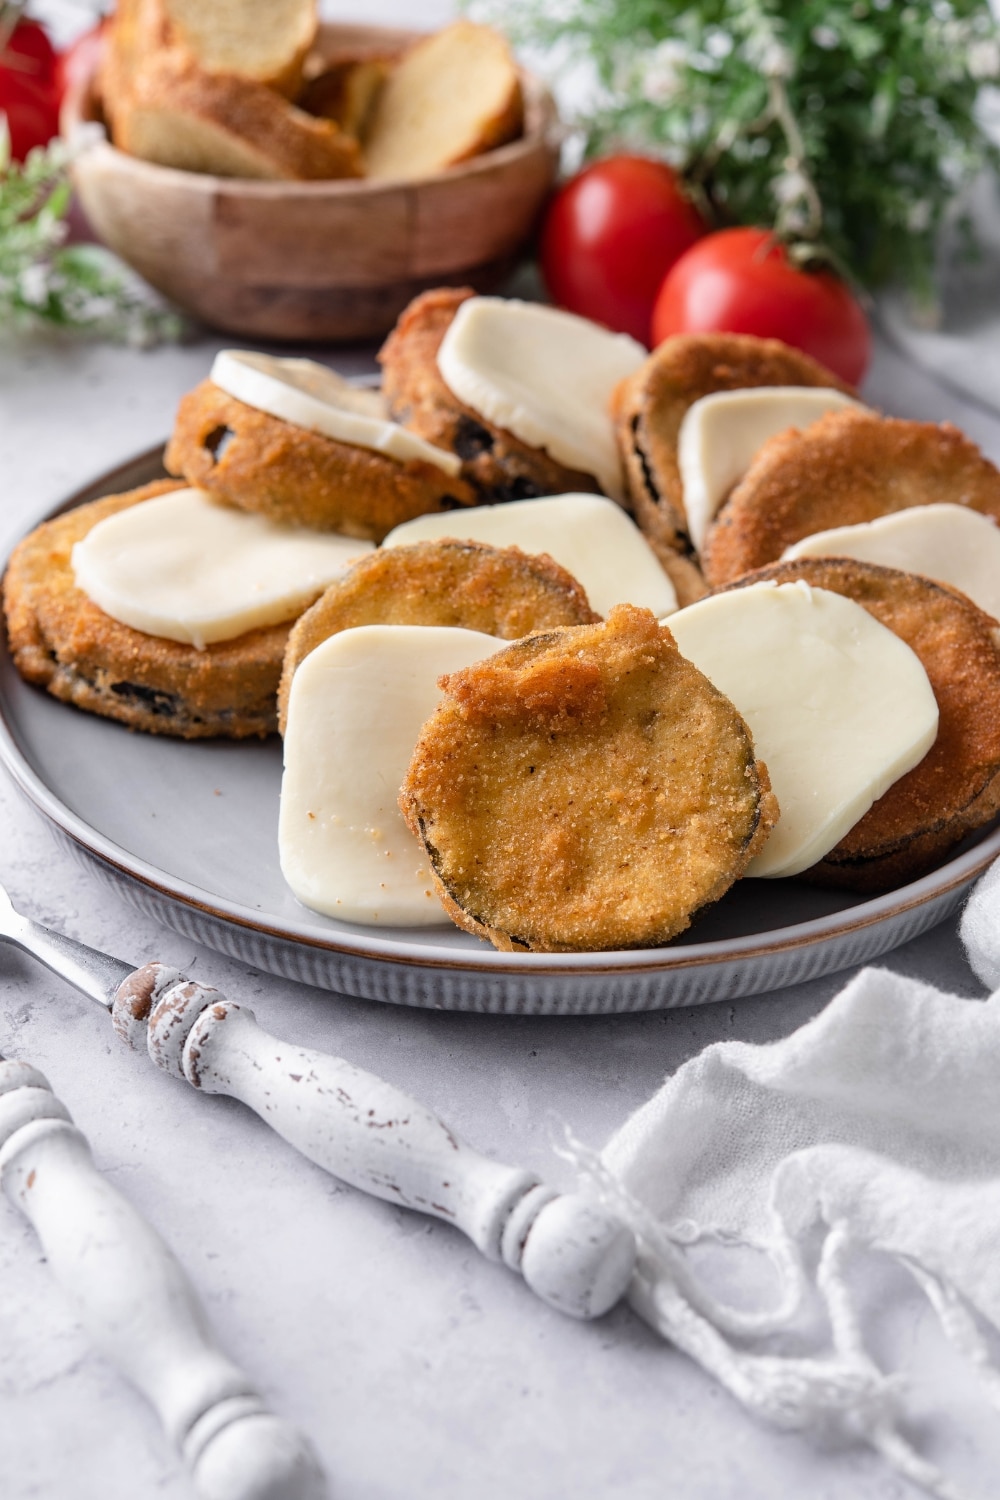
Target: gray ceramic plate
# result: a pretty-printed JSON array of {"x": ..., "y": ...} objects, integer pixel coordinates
[{"x": 188, "y": 834}]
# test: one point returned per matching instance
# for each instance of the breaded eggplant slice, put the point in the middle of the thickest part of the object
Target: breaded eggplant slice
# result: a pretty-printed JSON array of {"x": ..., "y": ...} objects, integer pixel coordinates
[
  {"x": 585, "y": 789},
  {"x": 848, "y": 467},
  {"x": 649, "y": 407},
  {"x": 956, "y": 787},
  {"x": 63, "y": 642},
  {"x": 253, "y": 461},
  {"x": 498, "y": 465},
  {"x": 682, "y": 570},
  {"x": 500, "y": 591}
]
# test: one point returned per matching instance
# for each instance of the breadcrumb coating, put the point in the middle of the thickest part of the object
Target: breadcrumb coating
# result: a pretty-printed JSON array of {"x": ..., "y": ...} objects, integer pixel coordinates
[
  {"x": 586, "y": 789},
  {"x": 955, "y": 789},
  {"x": 649, "y": 407},
  {"x": 500, "y": 591},
  {"x": 257, "y": 462},
  {"x": 498, "y": 465},
  {"x": 847, "y": 468},
  {"x": 63, "y": 642}
]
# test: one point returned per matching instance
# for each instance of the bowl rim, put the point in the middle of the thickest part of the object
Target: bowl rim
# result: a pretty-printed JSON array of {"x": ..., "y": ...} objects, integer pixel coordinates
[{"x": 542, "y": 131}]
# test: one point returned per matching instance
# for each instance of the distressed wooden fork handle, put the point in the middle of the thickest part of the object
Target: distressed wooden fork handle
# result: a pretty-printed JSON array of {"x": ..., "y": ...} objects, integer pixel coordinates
[
  {"x": 138, "y": 1307},
  {"x": 571, "y": 1252}
]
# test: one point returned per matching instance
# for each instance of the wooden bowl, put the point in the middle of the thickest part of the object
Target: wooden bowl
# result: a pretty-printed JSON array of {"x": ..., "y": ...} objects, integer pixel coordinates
[{"x": 334, "y": 260}]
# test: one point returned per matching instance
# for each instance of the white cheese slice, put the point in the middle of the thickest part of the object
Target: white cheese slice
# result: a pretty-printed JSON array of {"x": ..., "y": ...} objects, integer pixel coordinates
[
  {"x": 722, "y": 433},
  {"x": 184, "y": 568},
  {"x": 309, "y": 395},
  {"x": 544, "y": 375},
  {"x": 838, "y": 706},
  {"x": 355, "y": 711},
  {"x": 590, "y": 536},
  {"x": 949, "y": 543}
]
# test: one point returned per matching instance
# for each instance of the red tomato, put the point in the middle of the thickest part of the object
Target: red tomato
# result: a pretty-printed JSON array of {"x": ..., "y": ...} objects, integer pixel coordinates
[
  {"x": 610, "y": 236},
  {"x": 79, "y": 61},
  {"x": 27, "y": 88},
  {"x": 30, "y": 53},
  {"x": 741, "y": 281},
  {"x": 32, "y": 116}
]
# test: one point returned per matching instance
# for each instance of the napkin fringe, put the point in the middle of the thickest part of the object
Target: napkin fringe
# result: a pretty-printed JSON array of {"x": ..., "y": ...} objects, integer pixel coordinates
[{"x": 845, "y": 1389}]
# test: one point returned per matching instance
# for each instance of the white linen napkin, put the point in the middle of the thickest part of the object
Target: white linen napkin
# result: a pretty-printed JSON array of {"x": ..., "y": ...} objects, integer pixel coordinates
[{"x": 875, "y": 1126}]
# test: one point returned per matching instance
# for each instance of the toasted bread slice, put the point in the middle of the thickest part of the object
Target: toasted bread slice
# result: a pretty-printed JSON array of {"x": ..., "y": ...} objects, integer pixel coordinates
[
  {"x": 451, "y": 97},
  {"x": 137, "y": 29},
  {"x": 847, "y": 468},
  {"x": 649, "y": 407},
  {"x": 173, "y": 113},
  {"x": 264, "y": 41},
  {"x": 346, "y": 91}
]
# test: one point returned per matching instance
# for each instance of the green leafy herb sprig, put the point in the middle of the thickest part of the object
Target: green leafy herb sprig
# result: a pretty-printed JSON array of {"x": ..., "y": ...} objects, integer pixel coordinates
[
  {"x": 44, "y": 281},
  {"x": 851, "y": 124}
]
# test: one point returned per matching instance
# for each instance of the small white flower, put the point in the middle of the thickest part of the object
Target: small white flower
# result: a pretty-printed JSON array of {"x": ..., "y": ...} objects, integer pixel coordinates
[
  {"x": 662, "y": 72},
  {"x": 952, "y": 33},
  {"x": 789, "y": 187},
  {"x": 777, "y": 62},
  {"x": 984, "y": 58},
  {"x": 795, "y": 220},
  {"x": 771, "y": 57},
  {"x": 33, "y": 285},
  {"x": 718, "y": 44},
  {"x": 825, "y": 37}
]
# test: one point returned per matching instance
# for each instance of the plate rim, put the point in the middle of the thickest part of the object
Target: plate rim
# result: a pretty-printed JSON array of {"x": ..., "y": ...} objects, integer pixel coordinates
[{"x": 359, "y": 944}]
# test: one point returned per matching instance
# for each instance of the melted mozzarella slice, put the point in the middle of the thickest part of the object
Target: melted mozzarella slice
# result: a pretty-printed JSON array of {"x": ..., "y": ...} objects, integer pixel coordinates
[
  {"x": 355, "y": 711},
  {"x": 949, "y": 543},
  {"x": 309, "y": 395},
  {"x": 544, "y": 375},
  {"x": 182, "y": 567},
  {"x": 722, "y": 433},
  {"x": 838, "y": 706},
  {"x": 591, "y": 537}
]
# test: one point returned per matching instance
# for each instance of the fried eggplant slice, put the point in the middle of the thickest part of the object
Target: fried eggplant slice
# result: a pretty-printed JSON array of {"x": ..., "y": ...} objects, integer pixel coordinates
[
  {"x": 955, "y": 789},
  {"x": 253, "y": 461},
  {"x": 500, "y": 591},
  {"x": 649, "y": 407},
  {"x": 848, "y": 467},
  {"x": 585, "y": 789},
  {"x": 498, "y": 465},
  {"x": 682, "y": 570},
  {"x": 63, "y": 642}
]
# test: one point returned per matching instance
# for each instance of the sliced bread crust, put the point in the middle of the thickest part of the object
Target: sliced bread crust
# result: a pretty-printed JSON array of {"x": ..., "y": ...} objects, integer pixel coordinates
[
  {"x": 177, "y": 115},
  {"x": 346, "y": 91},
  {"x": 264, "y": 41},
  {"x": 452, "y": 96}
]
